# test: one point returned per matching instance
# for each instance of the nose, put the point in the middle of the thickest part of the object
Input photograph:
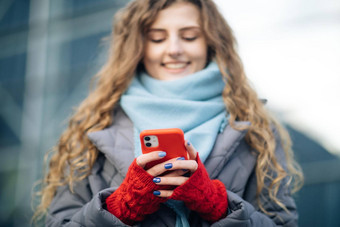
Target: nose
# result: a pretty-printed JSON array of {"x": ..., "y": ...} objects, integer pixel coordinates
[{"x": 175, "y": 48}]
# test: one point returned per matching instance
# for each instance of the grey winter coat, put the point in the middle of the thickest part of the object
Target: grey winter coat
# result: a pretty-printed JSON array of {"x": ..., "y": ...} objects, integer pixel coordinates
[{"x": 232, "y": 161}]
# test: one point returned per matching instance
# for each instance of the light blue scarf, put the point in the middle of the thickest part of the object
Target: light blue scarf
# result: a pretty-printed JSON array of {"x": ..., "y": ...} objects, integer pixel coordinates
[{"x": 193, "y": 103}]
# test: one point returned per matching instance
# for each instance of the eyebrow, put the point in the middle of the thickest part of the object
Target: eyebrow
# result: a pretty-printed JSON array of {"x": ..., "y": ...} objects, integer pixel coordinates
[{"x": 182, "y": 29}]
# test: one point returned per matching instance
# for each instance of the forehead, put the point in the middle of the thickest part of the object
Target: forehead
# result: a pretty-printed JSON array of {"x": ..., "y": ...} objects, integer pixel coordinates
[{"x": 181, "y": 14}]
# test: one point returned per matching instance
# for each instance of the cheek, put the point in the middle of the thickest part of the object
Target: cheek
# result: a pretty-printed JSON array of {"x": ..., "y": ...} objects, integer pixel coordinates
[
  {"x": 152, "y": 54},
  {"x": 200, "y": 55},
  {"x": 200, "y": 51}
]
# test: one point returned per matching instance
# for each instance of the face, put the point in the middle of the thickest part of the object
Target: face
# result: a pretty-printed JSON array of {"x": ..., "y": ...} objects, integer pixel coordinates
[{"x": 175, "y": 45}]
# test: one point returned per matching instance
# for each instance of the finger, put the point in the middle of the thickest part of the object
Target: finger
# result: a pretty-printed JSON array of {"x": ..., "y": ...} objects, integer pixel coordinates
[
  {"x": 176, "y": 173},
  {"x": 163, "y": 193},
  {"x": 191, "y": 150},
  {"x": 152, "y": 156},
  {"x": 190, "y": 165},
  {"x": 161, "y": 167},
  {"x": 176, "y": 181}
]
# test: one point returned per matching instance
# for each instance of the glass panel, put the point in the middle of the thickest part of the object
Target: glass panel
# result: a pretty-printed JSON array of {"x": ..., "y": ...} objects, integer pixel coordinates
[
  {"x": 13, "y": 14},
  {"x": 12, "y": 76}
]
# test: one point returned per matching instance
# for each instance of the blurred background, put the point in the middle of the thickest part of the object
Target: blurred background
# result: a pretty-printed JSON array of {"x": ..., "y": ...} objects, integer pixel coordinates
[{"x": 49, "y": 50}]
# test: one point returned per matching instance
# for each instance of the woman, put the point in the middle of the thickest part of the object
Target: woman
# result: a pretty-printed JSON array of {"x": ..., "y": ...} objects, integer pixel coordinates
[{"x": 172, "y": 64}]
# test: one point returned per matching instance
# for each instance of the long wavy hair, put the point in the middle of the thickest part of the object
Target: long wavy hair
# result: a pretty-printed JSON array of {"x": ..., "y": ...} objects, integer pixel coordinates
[{"x": 74, "y": 155}]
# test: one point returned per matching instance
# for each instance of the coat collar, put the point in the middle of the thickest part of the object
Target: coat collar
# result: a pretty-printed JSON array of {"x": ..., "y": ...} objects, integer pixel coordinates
[
  {"x": 225, "y": 146},
  {"x": 116, "y": 143}
]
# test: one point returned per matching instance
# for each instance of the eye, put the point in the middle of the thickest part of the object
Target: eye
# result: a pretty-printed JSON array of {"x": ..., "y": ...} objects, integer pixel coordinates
[
  {"x": 157, "y": 40},
  {"x": 156, "y": 36},
  {"x": 190, "y": 38}
]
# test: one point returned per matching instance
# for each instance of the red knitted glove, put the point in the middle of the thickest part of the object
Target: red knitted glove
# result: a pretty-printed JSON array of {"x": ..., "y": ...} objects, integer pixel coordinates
[
  {"x": 205, "y": 196},
  {"x": 134, "y": 198}
]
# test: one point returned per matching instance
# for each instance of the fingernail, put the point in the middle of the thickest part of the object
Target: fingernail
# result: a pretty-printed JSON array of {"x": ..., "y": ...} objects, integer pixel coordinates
[
  {"x": 162, "y": 154},
  {"x": 156, "y": 193},
  {"x": 168, "y": 165},
  {"x": 181, "y": 158},
  {"x": 156, "y": 180},
  {"x": 188, "y": 143}
]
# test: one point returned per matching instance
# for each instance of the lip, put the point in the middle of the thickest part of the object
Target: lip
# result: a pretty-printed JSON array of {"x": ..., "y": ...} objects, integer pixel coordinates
[{"x": 175, "y": 67}]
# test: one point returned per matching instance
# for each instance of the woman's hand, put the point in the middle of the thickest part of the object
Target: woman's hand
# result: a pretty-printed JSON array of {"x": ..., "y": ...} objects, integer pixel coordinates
[
  {"x": 171, "y": 172},
  {"x": 178, "y": 166},
  {"x": 134, "y": 198},
  {"x": 198, "y": 192}
]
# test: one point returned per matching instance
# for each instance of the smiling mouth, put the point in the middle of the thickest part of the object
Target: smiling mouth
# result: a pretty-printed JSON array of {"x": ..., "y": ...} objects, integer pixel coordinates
[{"x": 175, "y": 65}]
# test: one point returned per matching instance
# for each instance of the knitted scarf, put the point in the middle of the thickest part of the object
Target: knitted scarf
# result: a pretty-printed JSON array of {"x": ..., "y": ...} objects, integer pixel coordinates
[{"x": 193, "y": 103}]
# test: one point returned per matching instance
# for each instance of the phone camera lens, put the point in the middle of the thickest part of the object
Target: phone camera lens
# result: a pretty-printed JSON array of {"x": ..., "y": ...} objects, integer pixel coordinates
[
  {"x": 147, "y": 138},
  {"x": 148, "y": 144}
]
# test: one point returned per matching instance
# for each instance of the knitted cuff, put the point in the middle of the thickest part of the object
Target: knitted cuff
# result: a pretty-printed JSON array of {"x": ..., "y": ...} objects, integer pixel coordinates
[
  {"x": 205, "y": 196},
  {"x": 134, "y": 198}
]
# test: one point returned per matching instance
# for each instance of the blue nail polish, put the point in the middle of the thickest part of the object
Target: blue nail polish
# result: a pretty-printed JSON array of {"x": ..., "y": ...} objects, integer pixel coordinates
[
  {"x": 156, "y": 193},
  {"x": 188, "y": 143},
  {"x": 168, "y": 166},
  {"x": 156, "y": 180},
  {"x": 181, "y": 158},
  {"x": 162, "y": 154}
]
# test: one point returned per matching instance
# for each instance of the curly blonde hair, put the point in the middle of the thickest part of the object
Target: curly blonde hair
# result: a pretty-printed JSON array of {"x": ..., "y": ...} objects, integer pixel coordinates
[{"x": 74, "y": 155}]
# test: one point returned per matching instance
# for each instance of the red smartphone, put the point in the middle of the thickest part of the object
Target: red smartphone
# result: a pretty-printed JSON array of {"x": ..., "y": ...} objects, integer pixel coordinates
[{"x": 170, "y": 140}]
